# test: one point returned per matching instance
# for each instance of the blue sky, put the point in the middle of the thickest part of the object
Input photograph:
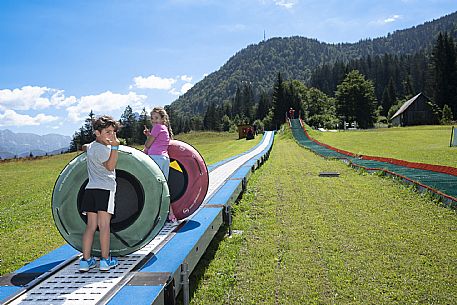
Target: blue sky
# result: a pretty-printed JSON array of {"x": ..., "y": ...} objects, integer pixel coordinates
[{"x": 60, "y": 59}]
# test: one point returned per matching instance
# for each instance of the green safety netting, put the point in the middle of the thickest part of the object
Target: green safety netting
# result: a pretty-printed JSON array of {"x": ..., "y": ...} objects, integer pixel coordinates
[{"x": 443, "y": 184}]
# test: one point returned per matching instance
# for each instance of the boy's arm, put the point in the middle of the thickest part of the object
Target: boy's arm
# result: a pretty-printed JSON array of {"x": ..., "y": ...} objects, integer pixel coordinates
[{"x": 110, "y": 164}]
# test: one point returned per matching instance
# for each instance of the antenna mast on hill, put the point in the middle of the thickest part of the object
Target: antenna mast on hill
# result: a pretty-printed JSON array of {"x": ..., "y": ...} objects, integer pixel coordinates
[{"x": 264, "y": 35}]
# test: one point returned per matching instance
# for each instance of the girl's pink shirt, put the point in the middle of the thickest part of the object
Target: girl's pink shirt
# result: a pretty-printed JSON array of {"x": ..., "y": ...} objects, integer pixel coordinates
[{"x": 162, "y": 139}]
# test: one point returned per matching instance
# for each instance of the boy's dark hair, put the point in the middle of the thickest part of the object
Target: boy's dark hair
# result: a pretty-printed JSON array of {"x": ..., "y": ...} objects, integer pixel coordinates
[{"x": 103, "y": 122}]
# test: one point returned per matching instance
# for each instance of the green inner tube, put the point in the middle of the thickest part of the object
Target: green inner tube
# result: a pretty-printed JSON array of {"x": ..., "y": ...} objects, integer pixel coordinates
[{"x": 142, "y": 202}]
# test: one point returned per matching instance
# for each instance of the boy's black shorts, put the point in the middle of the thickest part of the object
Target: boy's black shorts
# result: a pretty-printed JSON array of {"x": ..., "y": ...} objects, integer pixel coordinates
[{"x": 95, "y": 200}]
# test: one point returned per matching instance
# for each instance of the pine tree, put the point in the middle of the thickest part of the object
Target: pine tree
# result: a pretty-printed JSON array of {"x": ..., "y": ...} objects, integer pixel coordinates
[
  {"x": 143, "y": 121},
  {"x": 408, "y": 87},
  {"x": 247, "y": 100},
  {"x": 129, "y": 126},
  {"x": 210, "y": 120},
  {"x": 356, "y": 100},
  {"x": 237, "y": 103},
  {"x": 84, "y": 135},
  {"x": 389, "y": 97},
  {"x": 76, "y": 139},
  {"x": 279, "y": 102},
  {"x": 262, "y": 106},
  {"x": 87, "y": 132},
  {"x": 445, "y": 72}
]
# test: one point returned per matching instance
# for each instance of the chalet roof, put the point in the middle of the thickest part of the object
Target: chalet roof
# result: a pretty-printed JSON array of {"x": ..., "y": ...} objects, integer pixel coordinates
[{"x": 406, "y": 105}]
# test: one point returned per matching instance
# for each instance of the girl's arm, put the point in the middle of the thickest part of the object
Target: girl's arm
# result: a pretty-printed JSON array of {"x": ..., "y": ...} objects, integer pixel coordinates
[{"x": 149, "y": 141}]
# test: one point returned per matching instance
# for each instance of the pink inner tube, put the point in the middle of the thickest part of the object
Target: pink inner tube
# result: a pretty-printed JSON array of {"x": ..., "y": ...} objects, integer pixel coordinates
[{"x": 188, "y": 180}]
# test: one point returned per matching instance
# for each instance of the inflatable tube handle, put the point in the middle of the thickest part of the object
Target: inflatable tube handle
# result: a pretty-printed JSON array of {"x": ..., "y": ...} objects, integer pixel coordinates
[
  {"x": 198, "y": 166},
  {"x": 156, "y": 221},
  {"x": 61, "y": 223},
  {"x": 121, "y": 239}
]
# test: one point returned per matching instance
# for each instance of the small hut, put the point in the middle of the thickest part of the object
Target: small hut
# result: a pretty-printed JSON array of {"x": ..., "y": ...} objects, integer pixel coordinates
[
  {"x": 243, "y": 130},
  {"x": 415, "y": 111}
]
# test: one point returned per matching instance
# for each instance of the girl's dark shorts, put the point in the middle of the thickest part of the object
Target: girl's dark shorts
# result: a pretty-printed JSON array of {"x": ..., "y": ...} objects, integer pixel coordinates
[{"x": 95, "y": 200}]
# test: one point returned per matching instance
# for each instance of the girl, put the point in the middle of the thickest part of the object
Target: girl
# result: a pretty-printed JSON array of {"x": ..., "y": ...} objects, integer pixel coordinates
[{"x": 156, "y": 145}]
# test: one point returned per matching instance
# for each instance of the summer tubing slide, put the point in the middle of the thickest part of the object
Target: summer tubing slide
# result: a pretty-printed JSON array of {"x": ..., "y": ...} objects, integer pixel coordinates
[
  {"x": 159, "y": 271},
  {"x": 438, "y": 179},
  {"x": 143, "y": 196}
]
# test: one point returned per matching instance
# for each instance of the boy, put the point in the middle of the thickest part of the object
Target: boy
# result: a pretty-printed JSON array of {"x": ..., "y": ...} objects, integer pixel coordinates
[{"x": 98, "y": 201}]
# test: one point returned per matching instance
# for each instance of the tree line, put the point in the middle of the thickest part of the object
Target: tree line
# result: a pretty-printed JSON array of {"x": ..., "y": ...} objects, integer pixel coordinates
[
  {"x": 399, "y": 77},
  {"x": 297, "y": 57},
  {"x": 131, "y": 131},
  {"x": 368, "y": 90}
]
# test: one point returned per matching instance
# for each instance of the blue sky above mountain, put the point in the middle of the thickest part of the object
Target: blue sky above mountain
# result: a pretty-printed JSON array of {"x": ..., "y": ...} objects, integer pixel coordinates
[{"x": 61, "y": 59}]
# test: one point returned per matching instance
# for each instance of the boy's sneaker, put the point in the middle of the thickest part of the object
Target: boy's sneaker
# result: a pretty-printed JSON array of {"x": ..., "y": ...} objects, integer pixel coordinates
[
  {"x": 107, "y": 263},
  {"x": 85, "y": 265}
]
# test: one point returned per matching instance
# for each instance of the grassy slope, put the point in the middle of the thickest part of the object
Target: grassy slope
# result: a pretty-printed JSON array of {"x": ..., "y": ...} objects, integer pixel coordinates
[
  {"x": 27, "y": 230},
  {"x": 426, "y": 144},
  {"x": 356, "y": 239}
]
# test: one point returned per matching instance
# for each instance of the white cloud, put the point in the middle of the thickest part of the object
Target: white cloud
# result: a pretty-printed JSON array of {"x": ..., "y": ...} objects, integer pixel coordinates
[
  {"x": 186, "y": 78},
  {"x": 286, "y": 3},
  {"x": 186, "y": 87},
  {"x": 173, "y": 91},
  {"x": 392, "y": 18},
  {"x": 33, "y": 97},
  {"x": 59, "y": 100},
  {"x": 104, "y": 103},
  {"x": 12, "y": 118},
  {"x": 26, "y": 98},
  {"x": 170, "y": 84},
  {"x": 153, "y": 82}
]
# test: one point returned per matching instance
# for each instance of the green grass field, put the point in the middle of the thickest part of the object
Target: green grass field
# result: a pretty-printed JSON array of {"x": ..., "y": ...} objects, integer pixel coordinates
[
  {"x": 425, "y": 144},
  {"x": 27, "y": 230},
  {"x": 298, "y": 238},
  {"x": 303, "y": 239}
]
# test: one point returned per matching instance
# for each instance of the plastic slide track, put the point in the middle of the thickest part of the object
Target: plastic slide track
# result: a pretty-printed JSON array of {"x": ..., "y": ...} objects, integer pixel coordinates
[
  {"x": 436, "y": 179},
  {"x": 156, "y": 273}
]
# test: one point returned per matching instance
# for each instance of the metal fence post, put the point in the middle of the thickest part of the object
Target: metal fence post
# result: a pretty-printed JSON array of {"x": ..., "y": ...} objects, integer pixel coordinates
[{"x": 185, "y": 282}]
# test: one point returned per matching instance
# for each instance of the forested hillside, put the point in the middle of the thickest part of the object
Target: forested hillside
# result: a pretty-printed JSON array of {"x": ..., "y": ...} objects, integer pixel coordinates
[
  {"x": 329, "y": 85},
  {"x": 297, "y": 58}
]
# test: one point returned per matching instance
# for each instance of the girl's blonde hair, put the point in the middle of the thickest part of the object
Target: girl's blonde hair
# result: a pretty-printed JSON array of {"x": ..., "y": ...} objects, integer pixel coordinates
[{"x": 166, "y": 119}]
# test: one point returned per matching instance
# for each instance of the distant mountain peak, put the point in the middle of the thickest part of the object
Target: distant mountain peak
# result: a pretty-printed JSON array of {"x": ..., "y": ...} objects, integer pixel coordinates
[{"x": 22, "y": 144}]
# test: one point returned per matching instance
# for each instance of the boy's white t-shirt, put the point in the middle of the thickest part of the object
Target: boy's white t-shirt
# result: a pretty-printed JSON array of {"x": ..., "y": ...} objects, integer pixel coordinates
[{"x": 99, "y": 176}]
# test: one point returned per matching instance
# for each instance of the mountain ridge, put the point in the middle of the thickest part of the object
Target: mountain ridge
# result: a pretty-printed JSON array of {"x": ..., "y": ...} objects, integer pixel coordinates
[
  {"x": 23, "y": 144},
  {"x": 295, "y": 57}
]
